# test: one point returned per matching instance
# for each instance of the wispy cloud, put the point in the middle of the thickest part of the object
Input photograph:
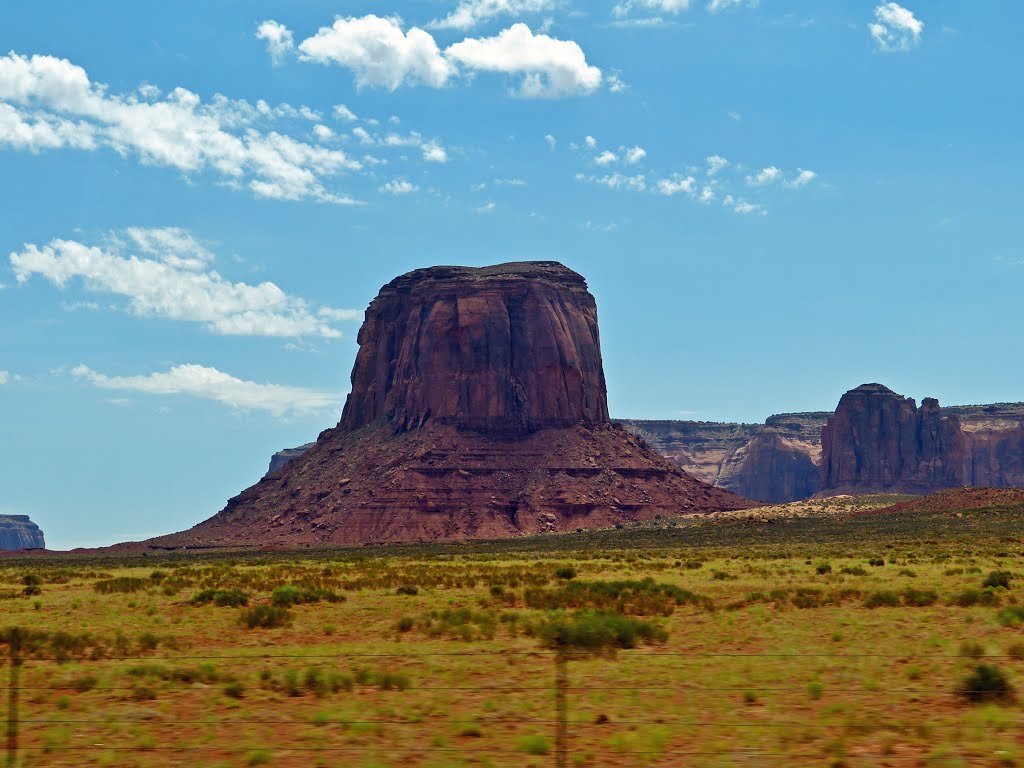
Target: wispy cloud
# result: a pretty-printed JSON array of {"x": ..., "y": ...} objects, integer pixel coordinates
[
  {"x": 211, "y": 384},
  {"x": 166, "y": 273},
  {"x": 470, "y": 13},
  {"x": 278, "y": 38}
]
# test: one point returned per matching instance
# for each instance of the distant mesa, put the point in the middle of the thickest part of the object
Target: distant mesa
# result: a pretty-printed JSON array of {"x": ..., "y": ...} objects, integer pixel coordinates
[
  {"x": 478, "y": 410},
  {"x": 19, "y": 532}
]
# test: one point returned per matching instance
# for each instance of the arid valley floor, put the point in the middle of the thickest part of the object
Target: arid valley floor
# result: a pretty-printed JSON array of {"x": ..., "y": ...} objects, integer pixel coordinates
[{"x": 807, "y": 635}]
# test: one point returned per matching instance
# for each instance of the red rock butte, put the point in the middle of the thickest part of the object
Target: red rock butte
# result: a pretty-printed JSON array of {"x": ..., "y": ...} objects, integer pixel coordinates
[{"x": 478, "y": 410}]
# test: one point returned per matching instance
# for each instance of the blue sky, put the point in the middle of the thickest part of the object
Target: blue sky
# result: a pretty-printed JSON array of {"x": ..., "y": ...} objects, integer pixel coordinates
[{"x": 773, "y": 202}]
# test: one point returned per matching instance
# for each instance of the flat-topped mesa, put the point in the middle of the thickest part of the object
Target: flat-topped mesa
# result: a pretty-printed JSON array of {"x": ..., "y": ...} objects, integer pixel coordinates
[
  {"x": 478, "y": 410},
  {"x": 511, "y": 348}
]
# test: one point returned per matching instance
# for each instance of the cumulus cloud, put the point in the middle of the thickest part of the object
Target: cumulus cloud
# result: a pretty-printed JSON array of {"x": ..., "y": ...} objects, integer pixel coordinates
[
  {"x": 635, "y": 154},
  {"x": 677, "y": 184},
  {"x": 211, "y": 384},
  {"x": 48, "y": 103},
  {"x": 765, "y": 176},
  {"x": 590, "y": 141},
  {"x": 278, "y": 38},
  {"x": 895, "y": 29},
  {"x": 606, "y": 158},
  {"x": 379, "y": 53},
  {"x": 716, "y": 163},
  {"x": 470, "y": 13},
  {"x": 658, "y": 6},
  {"x": 166, "y": 273},
  {"x": 399, "y": 187},
  {"x": 549, "y": 67}
]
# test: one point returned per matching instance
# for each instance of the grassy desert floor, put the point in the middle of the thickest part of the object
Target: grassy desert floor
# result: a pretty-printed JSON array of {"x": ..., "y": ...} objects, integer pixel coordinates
[{"x": 829, "y": 638}]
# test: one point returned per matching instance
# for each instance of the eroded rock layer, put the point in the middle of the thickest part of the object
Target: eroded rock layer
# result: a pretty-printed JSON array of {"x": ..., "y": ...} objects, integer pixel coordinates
[
  {"x": 478, "y": 410},
  {"x": 438, "y": 482},
  {"x": 19, "y": 532}
]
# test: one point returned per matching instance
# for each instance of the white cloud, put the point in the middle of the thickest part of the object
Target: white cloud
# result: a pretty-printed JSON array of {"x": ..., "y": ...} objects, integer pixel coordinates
[
  {"x": 362, "y": 134},
  {"x": 278, "y": 37},
  {"x": 210, "y": 384},
  {"x": 635, "y": 154},
  {"x": 677, "y": 184},
  {"x": 895, "y": 29},
  {"x": 658, "y": 6},
  {"x": 742, "y": 206},
  {"x": 4, "y": 377},
  {"x": 606, "y": 158},
  {"x": 379, "y": 53},
  {"x": 341, "y": 112},
  {"x": 322, "y": 132},
  {"x": 803, "y": 178},
  {"x": 399, "y": 187},
  {"x": 590, "y": 141},
  {"x": 49, "y": 103},
  {"x": 637, "y": 183},
  {"x": 721, "y": 5},
  {"x": 434, "y": 152},
  {"x": 716, "y": 163},
  {"x": 470, "y": 13},
  {"x": 615, "y": 83},
  {"x": 169, "y": 276},
  {"x": 551, "y": 140},
  {"x": 765, "y": 176},
  {"x": 550, "y": 67},
  {"x": 487, "y": 207}
]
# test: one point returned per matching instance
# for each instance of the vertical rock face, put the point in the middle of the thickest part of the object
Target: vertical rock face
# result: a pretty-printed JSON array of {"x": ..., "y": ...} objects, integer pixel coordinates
[
  {"x": 879, "y": 440},
  {"x": 478, "y": 409},
  {"x": 511, "y": 348},
  {"x": 19, "y": 532}
]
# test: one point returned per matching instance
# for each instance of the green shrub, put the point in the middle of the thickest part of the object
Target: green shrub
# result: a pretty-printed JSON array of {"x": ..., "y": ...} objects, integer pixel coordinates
[
  {"x": 823, "y": 568},
  {"x": 1012, "y": 616},
  {"x": 225, "y": 598},
  {"x": 234, "y": 690},
  {"x": 877, "y": 562},
  {"x": 122, "y": 584},
  {"x": 596, "y": 631},
  {"x": 405, "y": 624},
  {"x": 997, "y": 579},
  {"x": 639, "y": 598},
  {"x": 407, "y": 589},
  {"x": 853, "y": 570},
  {"x": 972, "y": 597},
  {"x": 287, "y": 596},
  {"x": 459, "y": 624},
  {"x": 919, "y": 598},
  {"x": 882, "y": 599},
  {"x": 266, "y": 617},
  {"x": 985, "y": 683},
  {"x": 535, "y": 744},
  {"x": 565, "y": 573}
]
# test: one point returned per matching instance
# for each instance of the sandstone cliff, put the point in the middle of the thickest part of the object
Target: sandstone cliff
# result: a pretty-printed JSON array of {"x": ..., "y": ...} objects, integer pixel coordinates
[
  {"x": 19, "y": 532},
  {"x": 478, "y": 409},
  {"x": 878, "y": 440}
]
